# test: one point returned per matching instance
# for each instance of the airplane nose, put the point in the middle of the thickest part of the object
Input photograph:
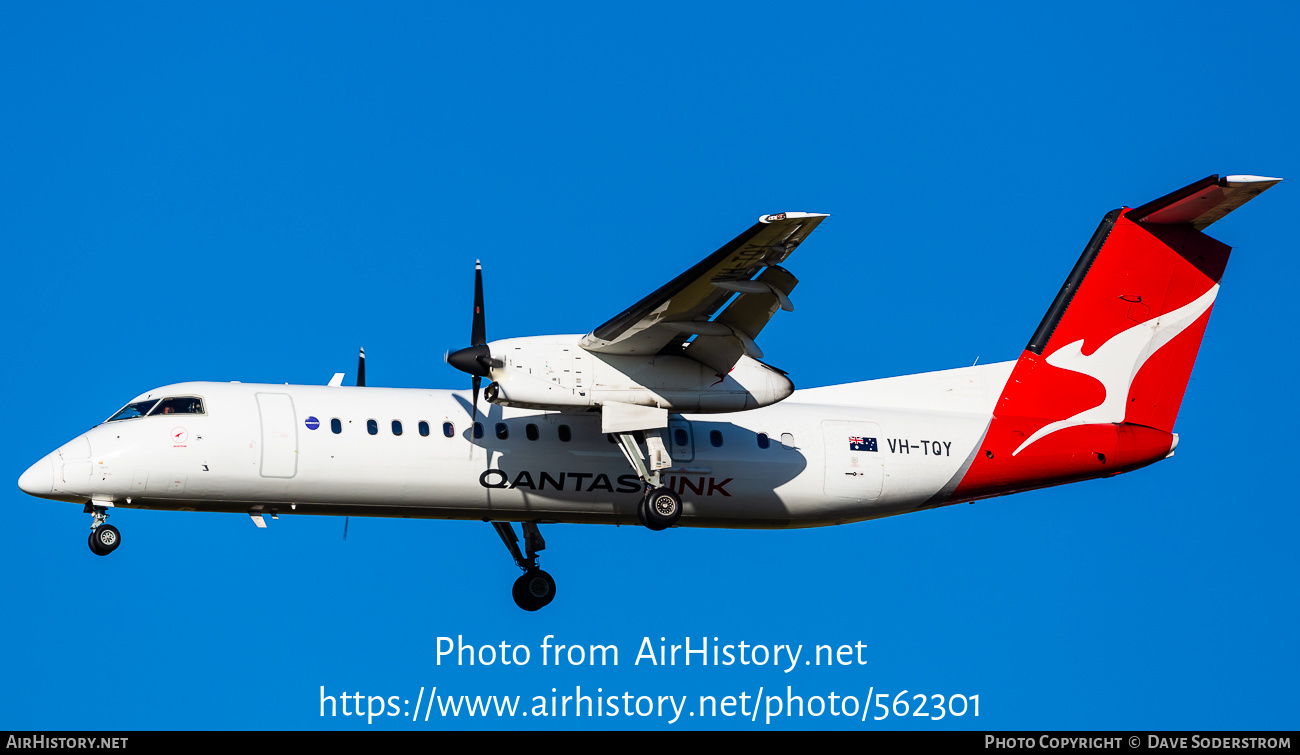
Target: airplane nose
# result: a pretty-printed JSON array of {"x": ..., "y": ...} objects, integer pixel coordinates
[{"x": 39, "y": 478}]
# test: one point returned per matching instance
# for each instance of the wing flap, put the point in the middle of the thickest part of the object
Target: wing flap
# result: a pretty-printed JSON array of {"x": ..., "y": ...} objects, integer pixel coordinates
[
  {"x": 694, "y": 296},
  {"x": 744, "y": 318}
]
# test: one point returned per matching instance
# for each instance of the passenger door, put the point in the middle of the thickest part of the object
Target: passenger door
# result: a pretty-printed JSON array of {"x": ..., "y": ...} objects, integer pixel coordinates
[
  {"x": 853, "y": 463},
  {"x": 279, "y": 435}
]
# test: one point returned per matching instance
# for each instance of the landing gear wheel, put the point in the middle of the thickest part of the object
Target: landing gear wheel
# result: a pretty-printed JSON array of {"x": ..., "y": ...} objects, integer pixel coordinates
[
  {"x": 534, "y": 590},
  {"x": 104, "y": 539},
  {"x": 662, "y": 509}
]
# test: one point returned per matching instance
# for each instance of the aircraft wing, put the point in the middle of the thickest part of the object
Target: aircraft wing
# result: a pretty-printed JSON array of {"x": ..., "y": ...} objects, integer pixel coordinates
[{"x": 685, "y": 306}]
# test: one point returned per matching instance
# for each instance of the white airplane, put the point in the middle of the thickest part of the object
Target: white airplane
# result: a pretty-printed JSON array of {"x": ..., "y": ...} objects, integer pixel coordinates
[{"x": 664, "y": 416}]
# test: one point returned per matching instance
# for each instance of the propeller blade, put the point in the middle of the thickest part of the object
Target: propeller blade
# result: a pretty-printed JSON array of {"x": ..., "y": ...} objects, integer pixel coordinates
[
  {"x": 346, "y": 519},
  {"x": 478, "y": 329},
  {"x": 361, "y": 369},
  {"x": 476, "y": 359}
]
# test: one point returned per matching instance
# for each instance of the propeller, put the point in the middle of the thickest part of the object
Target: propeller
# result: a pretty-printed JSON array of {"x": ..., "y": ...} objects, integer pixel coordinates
[{"x": 475, "y": 359}]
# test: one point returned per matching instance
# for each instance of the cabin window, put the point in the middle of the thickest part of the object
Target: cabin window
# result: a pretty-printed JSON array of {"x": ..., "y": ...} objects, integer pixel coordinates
[
  {"x": 787, "y": 441},
  {"x": 503, "y": 431},
  {"x": 715, "y": 438},
  {"x": 680, "y": 437},
  {"x": 530, "y": 430},
  {"x": 397, "y": 427},
  {"x": 424, "y": 429},
  {"x": 565, "y": 434},
  {"x": 372, "y": 427},
  {"x": 763, "y": 441},
  {"x": 448, "y": 429},
  {"x": 478, "y": 429},
  {"x": 336, "y": 425}
]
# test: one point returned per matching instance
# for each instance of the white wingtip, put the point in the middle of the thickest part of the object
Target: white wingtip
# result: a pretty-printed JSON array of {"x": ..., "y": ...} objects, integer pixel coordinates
[
  {"x": 1244, "y": 180},
  {"x": 788, "y": 215}
]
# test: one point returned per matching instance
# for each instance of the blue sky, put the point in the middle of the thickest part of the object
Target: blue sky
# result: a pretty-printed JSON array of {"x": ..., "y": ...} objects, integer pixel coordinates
[{"x": 243, "y": 192}]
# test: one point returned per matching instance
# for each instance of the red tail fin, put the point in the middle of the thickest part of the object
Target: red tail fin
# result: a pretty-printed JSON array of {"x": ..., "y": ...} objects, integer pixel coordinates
[{"x": 1099, "y": 386}]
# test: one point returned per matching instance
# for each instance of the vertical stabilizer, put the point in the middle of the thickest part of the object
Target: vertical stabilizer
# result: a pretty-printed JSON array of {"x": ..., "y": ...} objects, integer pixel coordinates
[{"x": 1098, "y": 387}]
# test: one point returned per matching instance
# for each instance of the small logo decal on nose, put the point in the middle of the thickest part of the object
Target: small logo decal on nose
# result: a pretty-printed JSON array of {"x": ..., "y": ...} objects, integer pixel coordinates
[
  {"x": 179, "y": 436},
  {"x": 312, "y": 423}
]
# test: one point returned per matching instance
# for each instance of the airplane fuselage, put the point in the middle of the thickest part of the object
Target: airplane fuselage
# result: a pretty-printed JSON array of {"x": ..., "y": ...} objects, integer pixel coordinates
[{"x": 824, "y": 456}]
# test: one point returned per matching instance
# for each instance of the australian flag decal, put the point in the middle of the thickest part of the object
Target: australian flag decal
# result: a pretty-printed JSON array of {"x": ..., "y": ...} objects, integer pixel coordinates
[{"x": 857, "y": 443}]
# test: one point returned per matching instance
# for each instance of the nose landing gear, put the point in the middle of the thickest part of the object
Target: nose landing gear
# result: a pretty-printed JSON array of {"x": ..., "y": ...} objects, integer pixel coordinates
[
  {"x": 535, "y": 589},
  {"x": 104, "y": 538}
]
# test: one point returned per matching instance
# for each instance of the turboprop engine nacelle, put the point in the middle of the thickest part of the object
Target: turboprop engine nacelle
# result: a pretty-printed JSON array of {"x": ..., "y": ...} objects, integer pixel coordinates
[{"x": 553, "y": 372}]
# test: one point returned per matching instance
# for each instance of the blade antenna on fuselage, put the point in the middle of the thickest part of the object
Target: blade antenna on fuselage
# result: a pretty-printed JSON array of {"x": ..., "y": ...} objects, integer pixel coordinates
[{"x": 361, "y": 383}]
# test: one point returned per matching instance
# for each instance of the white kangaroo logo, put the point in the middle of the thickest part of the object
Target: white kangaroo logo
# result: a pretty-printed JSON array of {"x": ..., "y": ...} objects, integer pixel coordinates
[{"x": 1117, "y": 362}]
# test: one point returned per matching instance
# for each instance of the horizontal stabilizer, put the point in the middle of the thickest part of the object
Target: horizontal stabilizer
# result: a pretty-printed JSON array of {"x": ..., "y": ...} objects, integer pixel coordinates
[{"x": 1203, "y": 202}]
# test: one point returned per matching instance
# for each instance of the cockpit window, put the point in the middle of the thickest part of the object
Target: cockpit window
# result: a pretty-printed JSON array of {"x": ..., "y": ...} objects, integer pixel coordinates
[
  {"x": 179, "y": 405},
  {"x": 131, "y": 411},
  {"x": 154, "y": 407}
]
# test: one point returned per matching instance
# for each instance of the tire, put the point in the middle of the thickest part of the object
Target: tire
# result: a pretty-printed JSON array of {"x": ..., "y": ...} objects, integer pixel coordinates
[
  {"x": 94, "y": 547},
  {"x": 534, "y": 590},
  {"x": 106, "y": 539},
  {"x": 663, "y": 509}
]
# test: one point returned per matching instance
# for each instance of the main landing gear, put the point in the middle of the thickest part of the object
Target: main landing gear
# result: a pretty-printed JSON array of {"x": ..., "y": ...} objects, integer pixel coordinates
[
  {"x": 104, "y": 538},
  {"x": 535, "y": 589},
  {"x": 660, "y": 507}
]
